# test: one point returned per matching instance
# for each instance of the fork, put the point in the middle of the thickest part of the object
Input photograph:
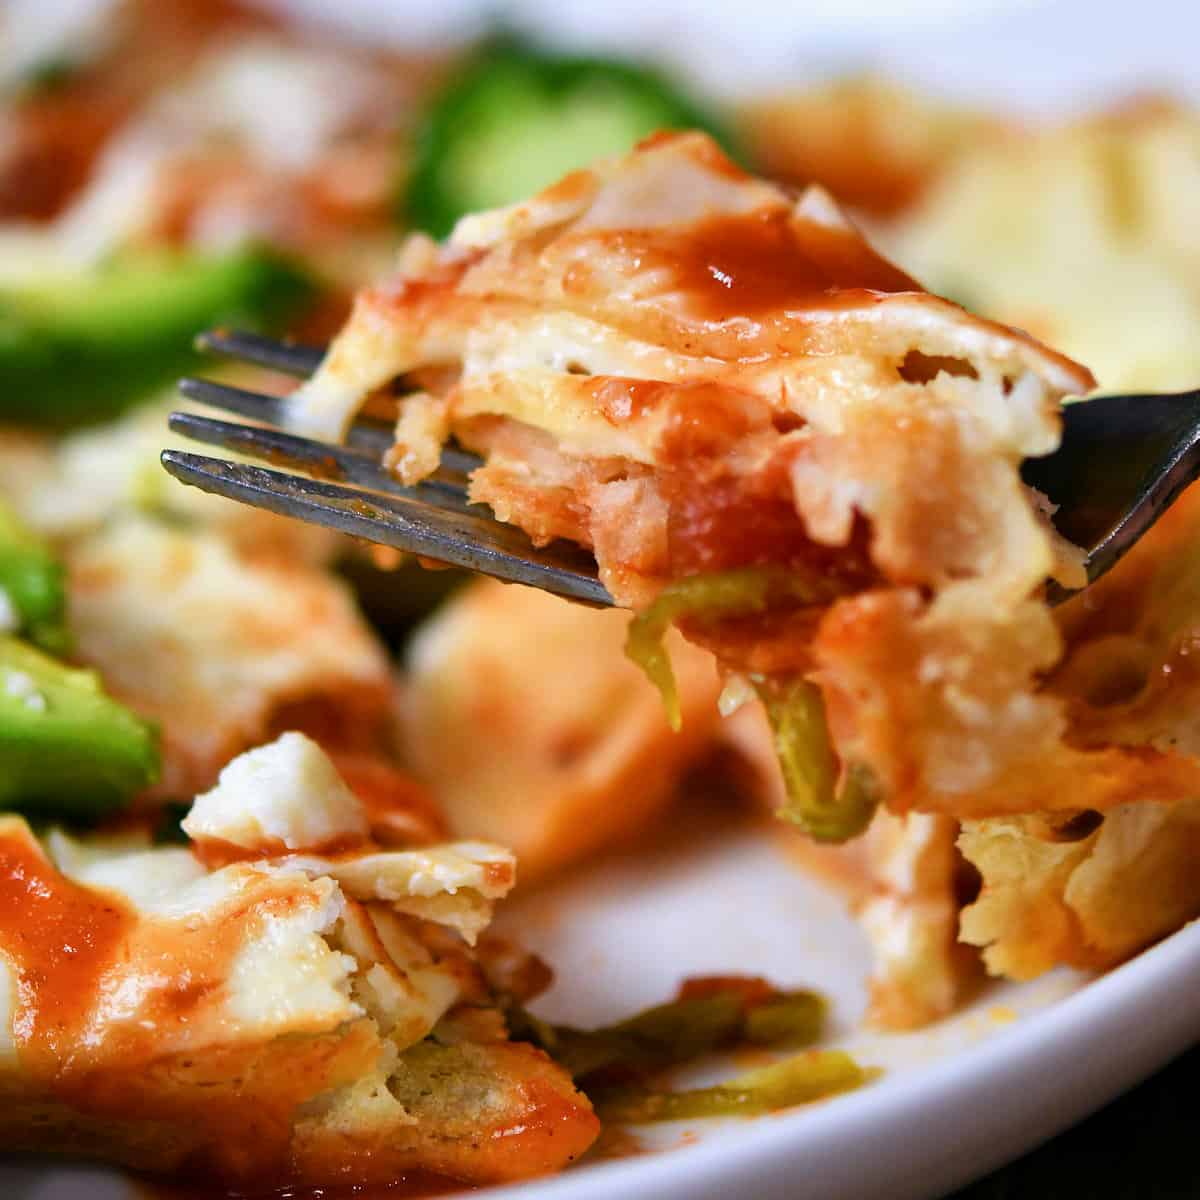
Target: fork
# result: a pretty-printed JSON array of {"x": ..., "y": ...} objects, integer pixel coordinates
[{"x": 1122, "y": 461}]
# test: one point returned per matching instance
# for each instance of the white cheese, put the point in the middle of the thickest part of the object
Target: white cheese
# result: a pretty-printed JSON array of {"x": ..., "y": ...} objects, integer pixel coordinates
[{"x": 285, "y": 793}]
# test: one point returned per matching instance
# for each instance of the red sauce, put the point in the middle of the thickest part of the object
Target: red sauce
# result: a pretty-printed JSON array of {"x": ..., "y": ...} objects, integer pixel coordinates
[
  {"x": 73, "y": 949},
  {"x": 718, "y": 523},
  {"x": 399, "y": 809},
  {"x": 216, "y": 852},
  {"x": 619, "y": 398},
  {"x": 732, "y": 267},
  {"x": 60, "y": 938},
  {"x": 532, "y": 1144},
  {"x": 702, "y": 416}
]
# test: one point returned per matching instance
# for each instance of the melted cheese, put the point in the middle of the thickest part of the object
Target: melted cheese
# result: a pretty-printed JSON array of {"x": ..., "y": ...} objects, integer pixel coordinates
[
  {"x": 454, "y": 885},
  {"x": 259, "y": 1019},
  {"x": 213, "y": 646},
  {"x": 685, "y": 370},
  {"x": 1088, "y": 901}
]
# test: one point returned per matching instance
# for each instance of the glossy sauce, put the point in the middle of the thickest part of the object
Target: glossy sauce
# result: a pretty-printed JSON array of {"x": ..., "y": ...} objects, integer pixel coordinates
[
  {"x": 747, "y": 266},
  {"x": 60, "y": 938},
  {"x": 532, "y": 1143},
  {"x": 115, "y": 1013},
  {"x": 702, "y": 416},
  {"x": 215, "y": 853}
]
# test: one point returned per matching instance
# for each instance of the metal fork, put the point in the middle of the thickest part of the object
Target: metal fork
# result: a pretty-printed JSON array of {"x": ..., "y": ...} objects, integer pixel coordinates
[
  {"x": 1122, "y": 461},
  {"x": 351, "y": 491}
]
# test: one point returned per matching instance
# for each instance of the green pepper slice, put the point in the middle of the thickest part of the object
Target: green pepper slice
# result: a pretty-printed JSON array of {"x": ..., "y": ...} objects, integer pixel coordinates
[{"x": 516, "y": 118}]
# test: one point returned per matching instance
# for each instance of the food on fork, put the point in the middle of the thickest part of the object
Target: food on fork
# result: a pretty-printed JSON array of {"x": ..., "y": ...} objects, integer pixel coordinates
[
  {"x": 768, "y": 436},
  {"x": 772, "y": 437}
]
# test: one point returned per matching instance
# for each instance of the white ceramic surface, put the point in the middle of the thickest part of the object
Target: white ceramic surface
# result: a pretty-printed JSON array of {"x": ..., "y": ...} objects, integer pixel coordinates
[
  {"x": 1024, "y": 1061},
  {"x": 1031, "y": 56},
  {"x": 954, "y": 1101}
]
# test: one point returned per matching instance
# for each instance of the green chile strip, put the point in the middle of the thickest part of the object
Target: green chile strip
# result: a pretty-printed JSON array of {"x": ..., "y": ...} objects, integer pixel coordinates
[
  {"x": 826, "y": 809},
  {"x": 800, "y": 1079}
]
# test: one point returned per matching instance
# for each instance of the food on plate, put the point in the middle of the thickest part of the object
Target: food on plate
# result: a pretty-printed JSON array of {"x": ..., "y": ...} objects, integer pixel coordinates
[
  {"x": 514, "y": 118},
  {"x": 192, "y": 164},
  {"x": 223, "y": 651},
  {"x": 815, "y": 1075},
  {"x": 68, "y": 485},
  {"x": 618, "y": 1066},
  {"x": 66, "y": 746},
  {"x": 71, "y": 79},
  {"x": 509, "y": 674},
  {"x": 904, "y": 878},
  {"x": 83, "y": 345},
  {"x": 876, "y": 144},
  {"x": 259, "y": 944},
  {"x": 284, "y": 1002},
  {"x": 709, "y": 1012},
  {"x": 1088, "y": 888},
  {"x": 207, "y": 123},
  {"x": 32, "y": 594},
  {"x": 1068, "y": 232},
  {"x": 728, "y": 396}
]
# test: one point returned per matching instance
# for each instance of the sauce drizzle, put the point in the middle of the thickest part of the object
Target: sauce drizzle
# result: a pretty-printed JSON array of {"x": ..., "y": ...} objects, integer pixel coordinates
[
  {"x": 745, "y": 266},
  {"x": 60, "y": 938}
]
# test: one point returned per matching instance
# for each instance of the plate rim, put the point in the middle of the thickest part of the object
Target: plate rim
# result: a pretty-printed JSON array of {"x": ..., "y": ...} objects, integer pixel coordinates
[{"x": 924, "y": 1129}]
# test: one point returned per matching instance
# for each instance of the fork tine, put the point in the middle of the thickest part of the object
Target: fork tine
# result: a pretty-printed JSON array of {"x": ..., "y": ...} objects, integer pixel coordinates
[
  {"x": 292, "y": 358},
  {"x": 255, "y": 405},
  {"x": 374, "y": 437},
  {"x": 324, "y": 461},
  {"x": 406, "y": 521}
]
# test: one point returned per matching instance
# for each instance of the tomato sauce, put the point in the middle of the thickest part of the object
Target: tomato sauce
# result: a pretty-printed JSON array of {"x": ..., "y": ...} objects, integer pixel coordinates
[
  {"x": 749, "y": 265},
  {"x": 61, "y": 938}
]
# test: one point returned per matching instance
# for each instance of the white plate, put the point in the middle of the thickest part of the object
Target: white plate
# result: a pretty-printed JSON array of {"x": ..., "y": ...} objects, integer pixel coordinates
[
  {"x": 954, "y": 1101},
  {"x": 1022, "y": 1062}
]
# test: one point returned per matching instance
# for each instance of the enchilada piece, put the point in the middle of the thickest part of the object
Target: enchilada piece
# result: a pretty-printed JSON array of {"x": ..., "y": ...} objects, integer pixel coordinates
[
  {"x": 282, "y": 1002},
  {"x": 777, "y": 438},
  {"x": 531, "y": 728}
]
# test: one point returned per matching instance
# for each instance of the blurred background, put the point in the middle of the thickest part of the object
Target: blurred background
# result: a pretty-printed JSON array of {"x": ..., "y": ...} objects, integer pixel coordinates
[
  {"x": 969, "y": 134},
  {"x": 168, "y": 165}
]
